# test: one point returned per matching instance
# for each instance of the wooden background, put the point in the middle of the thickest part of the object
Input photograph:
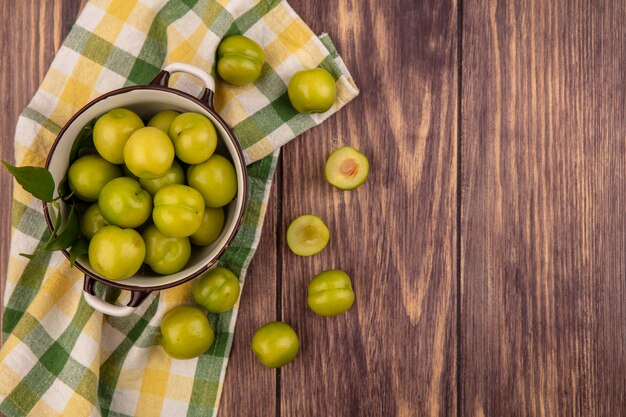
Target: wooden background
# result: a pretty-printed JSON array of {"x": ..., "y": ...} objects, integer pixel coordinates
[{"x": 488, "y": 246}]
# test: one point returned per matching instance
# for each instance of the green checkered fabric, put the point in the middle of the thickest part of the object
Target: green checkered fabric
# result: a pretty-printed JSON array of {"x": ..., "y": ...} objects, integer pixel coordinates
[{"x": 60, "y": 357}]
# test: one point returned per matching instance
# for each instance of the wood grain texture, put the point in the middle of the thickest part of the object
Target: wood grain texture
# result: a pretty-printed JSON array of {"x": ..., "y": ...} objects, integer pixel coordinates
[
  {"x": 394, "y": 352},
  {"x": 543, "y": 213},
  {"x": 249, "y": 388},
  {"x": 543, "y": 209}
]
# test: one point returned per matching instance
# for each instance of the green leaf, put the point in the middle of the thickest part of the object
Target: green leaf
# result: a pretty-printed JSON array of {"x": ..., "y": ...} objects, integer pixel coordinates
[
  {"x": 83, "y": 139},
  {"x": 37, "y": 181},
  {"x": 80, "y": 247},
  {"x": 66, "y": 237},
  {"x": 57, "y": 222},
  {"x": 64, "y": 189}
]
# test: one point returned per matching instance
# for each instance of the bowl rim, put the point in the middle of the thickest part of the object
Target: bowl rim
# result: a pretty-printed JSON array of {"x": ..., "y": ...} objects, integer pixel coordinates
[{"x": 238, "y": 154}]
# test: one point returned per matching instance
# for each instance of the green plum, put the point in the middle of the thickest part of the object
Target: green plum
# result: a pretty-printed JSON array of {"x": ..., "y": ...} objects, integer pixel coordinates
[
  {"x": 194, "y": 137},
  {"x": 307, "y": 235},
  {"x": 240, "y": 60},
  {"x": 174, "y": 175},
  {"x": 163, "y": 120},
  {"x": 148, "y": 153},
  {"x": 89, "y": 174},
  {"x": 211, "y": 227},
  {"x": 275, "y": 344},
  {"x": 164, "y": 254},
  {"x": 186, "y": 332},
  {"x": 124, "y": 203},
  {"x": 91, "y": 221},
  {"x": 217, "y": 290},
  {"x": 346, "y": 168},
  {"x": 116, "y": 253},
  {"x": 111, "y": 132},
  {"x": 330, "y": 293},
  {"x": 312, "y": 91},
  {"x": 178, "y": 210},
  {"x": 215, "y": 179}
]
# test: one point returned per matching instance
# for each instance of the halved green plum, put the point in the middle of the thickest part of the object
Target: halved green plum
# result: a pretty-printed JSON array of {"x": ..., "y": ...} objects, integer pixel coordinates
[
  {"x": 346, "y": 168},
  {"x": 307, "y": 235}
]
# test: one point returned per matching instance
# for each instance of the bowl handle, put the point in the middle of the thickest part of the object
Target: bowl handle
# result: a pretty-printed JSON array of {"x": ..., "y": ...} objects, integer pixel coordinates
[
  {"x": 162, "y": 79},
  {"x": 136, "y": 298}
]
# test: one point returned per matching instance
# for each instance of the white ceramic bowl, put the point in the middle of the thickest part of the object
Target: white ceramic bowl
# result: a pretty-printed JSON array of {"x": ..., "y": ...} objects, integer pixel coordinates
[{"x": 146, "y": 100}]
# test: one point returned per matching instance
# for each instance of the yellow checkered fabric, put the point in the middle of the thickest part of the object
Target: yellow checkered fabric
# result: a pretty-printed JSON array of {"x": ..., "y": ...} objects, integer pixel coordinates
[{"x": 60, "y": 358}]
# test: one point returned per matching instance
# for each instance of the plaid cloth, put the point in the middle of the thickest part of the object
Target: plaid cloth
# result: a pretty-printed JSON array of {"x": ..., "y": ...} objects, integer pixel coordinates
[{"x": 60, "y": 358}]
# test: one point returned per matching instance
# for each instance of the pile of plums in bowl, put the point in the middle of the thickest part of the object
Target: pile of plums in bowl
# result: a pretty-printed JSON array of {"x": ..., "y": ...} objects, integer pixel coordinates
[{"x": 153, "y": 191}]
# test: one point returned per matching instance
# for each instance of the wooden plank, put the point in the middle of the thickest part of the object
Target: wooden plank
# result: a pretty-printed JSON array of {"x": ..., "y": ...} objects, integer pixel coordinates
[
  {"x": 394, "y": 352},
  {"x": 543, "y": 209},
  {"x": 27, "y": 53},
  {"x": 249, "y": 388}
]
